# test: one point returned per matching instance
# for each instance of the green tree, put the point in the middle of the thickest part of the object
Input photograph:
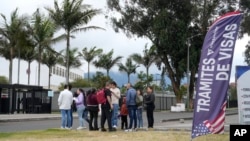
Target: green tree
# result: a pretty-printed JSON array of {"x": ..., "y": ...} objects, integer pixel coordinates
[
  {"x": 167, "y": 25},
  {"x": 12, "y": 35},
  {"x": 4, "y": 80},
  {"x": 78, "y": 83},
  {"x": 73, "y": 16},
  {"x": 203, "y": 14},
  {"x": 29, "y": 54},
  {"x": 100, "y": 80},
  {"x": 128, "y": 67},
  {"x": 106, "y": 61},
  {"x": 143, "y": 80},
  {"x": 43, "y": 30},
  {"x": 247, "y": 53},
  {"x": 245, "y": 27},
  {"x": 89, "y": 55},
  {"x": 147, "y": 59},
  {"x": 74, "y": 59},
  {"x": 50, "y": 59}
]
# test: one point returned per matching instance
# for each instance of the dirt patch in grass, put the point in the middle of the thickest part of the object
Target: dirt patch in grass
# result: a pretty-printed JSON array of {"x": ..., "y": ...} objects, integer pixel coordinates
[{"x": 73, "y": 135}]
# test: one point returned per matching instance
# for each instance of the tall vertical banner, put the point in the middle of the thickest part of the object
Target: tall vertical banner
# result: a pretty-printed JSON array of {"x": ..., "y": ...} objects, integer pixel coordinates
[
  {"x": 243, "y": 93},
  {"x": 214, "y": 75}
]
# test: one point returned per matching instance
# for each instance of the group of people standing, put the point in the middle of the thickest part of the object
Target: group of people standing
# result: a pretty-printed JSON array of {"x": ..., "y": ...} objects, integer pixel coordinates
[
  {"x": 135, "y": 108},
  {"x": 132, "y": 105}
]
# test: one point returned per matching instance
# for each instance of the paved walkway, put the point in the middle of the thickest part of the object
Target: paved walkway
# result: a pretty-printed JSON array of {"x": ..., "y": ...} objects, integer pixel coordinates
[
  {"x": 164, "y": 120},
  {"x": 163, "y": 116}
]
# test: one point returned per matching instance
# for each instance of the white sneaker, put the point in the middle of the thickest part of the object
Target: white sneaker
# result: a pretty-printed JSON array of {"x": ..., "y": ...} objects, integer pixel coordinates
[
  {"x": 115, "y": 126},
  {"x": 81, "y": 128},
  {"x": 68, "y": 128},
  {"x": 128, "y": 130},
  {"x": 62, "y": 127}
]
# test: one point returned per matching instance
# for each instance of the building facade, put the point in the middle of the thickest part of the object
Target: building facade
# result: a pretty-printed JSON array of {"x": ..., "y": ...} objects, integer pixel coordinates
[{"x": 58, "y": 73}]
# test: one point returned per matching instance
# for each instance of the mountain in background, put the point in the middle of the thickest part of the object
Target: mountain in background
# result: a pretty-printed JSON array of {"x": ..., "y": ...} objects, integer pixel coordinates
[{"x": 121, "y": 78}]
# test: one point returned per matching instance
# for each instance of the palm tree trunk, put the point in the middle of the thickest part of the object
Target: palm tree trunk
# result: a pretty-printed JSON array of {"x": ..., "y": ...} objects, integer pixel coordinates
[
  {"x": 18, "y": 73},
  {"x": 128, "y": 78},
  {"x": 67, "y": 56},
  {"x": 10, "y": 79},
  {"x": 39, "y": 63},
  {"x": 147, "y": 71},
  {"x": 28, "y": 73},
  {"x": 11, "y": 65},
  {"x": 49, "y": 77},
  {"x": 108, "y": 72},
  {"x": 88, "y": 71}
]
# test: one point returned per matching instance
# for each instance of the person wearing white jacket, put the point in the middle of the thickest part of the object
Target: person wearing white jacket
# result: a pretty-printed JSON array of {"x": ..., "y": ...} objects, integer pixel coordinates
[{"x": 65, "y": 100}]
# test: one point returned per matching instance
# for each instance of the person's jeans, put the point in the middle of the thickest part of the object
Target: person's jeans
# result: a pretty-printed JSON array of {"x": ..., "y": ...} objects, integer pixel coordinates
[
  {"x": 115, "y": 114},
  {"x": 139, "y": 117},
  {"x": 132, "y": 116},
  {"x": 66, "y": 118},
  {"x": 80, "y": 112},
  {"x": 85, "y": 115}
]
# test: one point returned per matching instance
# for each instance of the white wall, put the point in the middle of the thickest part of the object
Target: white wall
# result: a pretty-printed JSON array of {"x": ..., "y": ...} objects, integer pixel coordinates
[{"x": 55, "y": 79}]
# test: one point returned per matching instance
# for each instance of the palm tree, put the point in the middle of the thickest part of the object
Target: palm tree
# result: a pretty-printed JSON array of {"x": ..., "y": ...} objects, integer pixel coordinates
[
  {"x": 12, "y": 33},
  {"x": 89, "y": 55},
  {"x": 43, "y": 30},
  {"x": 106, "y": 61},
  {"x": 29, "y": 54},
  {"x": 74, "y": 59},
  {"x": 129, "y": 68},
  {"x": 73, "y": 17},
  {"x": 50, "y": 59},
  {"x": 147, "y": 59}
]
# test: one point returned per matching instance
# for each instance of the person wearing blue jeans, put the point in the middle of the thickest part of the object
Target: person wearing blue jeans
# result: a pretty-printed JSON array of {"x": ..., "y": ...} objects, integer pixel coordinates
[
  {"x": 115, "y": 96},
  {"x": 114, "y": 118},
  {"x": 65, "y": 100},
  {"x": 139, "y": 108},
  {"x": 131, "y": 104},
  {"x": 132, "y": 116},
  {"x": 79, "y": 101},
  {"x": 139, "y": 117},
  {"x": 66, "y": 118}
]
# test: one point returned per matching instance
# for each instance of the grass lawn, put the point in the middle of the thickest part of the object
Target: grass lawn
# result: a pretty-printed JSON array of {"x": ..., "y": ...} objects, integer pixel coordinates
[{"x": 73, "y": 135}]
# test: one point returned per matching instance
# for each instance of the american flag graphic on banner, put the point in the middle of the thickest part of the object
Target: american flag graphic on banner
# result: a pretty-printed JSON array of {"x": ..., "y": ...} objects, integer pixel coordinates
[{"x": 215, "y": 126}]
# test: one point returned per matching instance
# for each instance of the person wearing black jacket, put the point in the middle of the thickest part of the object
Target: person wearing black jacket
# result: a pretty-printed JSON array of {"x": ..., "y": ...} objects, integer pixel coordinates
[
  {"x": 107, "y": 108},
  {"x": 149, "y": 101}
]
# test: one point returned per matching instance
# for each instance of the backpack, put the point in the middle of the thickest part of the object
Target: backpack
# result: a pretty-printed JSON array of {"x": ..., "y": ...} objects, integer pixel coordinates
[
  {"x": 138, "y": 100},
  {"x": 100, "y": 96}
]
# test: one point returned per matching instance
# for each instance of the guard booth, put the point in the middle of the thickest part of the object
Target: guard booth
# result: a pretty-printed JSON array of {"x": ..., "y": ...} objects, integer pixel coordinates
[{"x": 17, "y": 98}]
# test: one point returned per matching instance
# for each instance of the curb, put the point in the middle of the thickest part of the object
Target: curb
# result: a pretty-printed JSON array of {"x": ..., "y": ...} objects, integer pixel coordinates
[
  {"x": 190, "y": 118},
  {"x": 32, "y": 119}
]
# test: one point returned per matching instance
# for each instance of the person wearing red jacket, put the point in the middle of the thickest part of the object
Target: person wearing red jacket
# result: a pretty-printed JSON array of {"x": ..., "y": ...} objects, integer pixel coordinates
[
  {"x": 124, "y": 114},
  {"x": 93, "y": 108}
]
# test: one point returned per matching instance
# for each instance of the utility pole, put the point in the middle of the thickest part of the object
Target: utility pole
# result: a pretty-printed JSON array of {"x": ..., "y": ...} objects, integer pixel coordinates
[{"x": 188, "y": 69}]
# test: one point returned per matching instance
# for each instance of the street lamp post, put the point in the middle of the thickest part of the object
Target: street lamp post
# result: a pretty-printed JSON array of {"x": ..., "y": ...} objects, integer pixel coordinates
[
  {"x": 188, "y": 77},
  {"x": 188, "y": 69}
]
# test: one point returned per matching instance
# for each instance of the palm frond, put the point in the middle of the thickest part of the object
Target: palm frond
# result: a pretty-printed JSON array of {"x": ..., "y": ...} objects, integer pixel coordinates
[{"x": 84, "y": 29}]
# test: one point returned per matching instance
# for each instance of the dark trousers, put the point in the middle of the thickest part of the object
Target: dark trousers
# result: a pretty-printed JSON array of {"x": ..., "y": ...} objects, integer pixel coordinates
[
  {"x": 106, "y": 115},
  {"x": 132, "y": 116},
  {"x": 93, "y": 118},
  {"x": 124, "y": 121},
  {"x": 150, "y": 115}
]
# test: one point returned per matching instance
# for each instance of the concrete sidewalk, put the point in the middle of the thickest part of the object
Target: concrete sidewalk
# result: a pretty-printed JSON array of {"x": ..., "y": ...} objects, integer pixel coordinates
[{"x": 163, "y": 116}]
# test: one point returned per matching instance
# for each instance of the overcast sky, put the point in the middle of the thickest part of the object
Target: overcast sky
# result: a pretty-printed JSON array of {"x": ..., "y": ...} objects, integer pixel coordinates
[{"x": 107, "y": 39}]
